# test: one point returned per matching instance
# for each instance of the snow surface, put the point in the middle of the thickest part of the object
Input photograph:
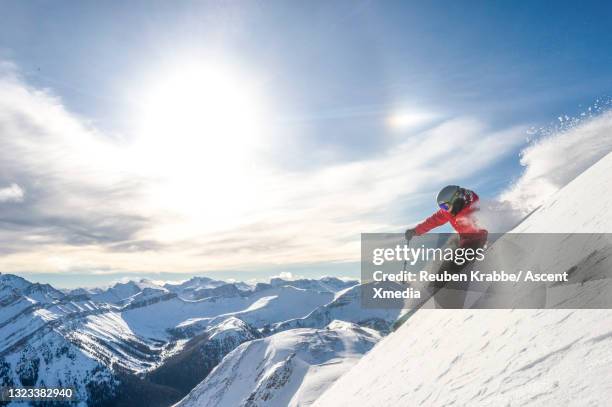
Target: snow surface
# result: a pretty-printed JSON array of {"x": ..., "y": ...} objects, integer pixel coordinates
[
  {"x": 500, "y": 357},
  {"x": 291, "y": 368}
]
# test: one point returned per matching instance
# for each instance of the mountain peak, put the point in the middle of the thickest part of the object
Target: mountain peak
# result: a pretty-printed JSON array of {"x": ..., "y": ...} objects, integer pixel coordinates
[
  {"x": 287, "y": 368},
  {"x": 13, "y": 281}
]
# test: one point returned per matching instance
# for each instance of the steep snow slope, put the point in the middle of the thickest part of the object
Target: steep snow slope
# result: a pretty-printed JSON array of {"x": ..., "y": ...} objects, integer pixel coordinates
[
  {"x": 32, "y": 349},
  {"x": 49, "y": 360},
  {"x": 286, "y": 369},
  {"x": 499, "y": 357},
  {"x": 23, "y": 315}
]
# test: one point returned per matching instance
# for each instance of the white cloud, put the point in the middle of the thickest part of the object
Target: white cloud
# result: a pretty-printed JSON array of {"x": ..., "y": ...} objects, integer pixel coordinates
[
  {"x": 12, "y": 193},
  {"x": 552, "y": 162},
  {"x": 97, "y": 211},
  {"x": 287, "y": 275},
  {"x": 320, "y": 214}
]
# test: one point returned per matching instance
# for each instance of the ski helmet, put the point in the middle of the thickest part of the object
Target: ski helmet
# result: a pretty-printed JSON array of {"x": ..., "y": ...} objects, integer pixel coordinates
[{"x": 447, "y": 196}]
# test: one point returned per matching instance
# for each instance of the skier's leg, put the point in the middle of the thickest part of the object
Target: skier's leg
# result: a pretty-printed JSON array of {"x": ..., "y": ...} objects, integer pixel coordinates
[
  {"x": 454, "y": 293},
  {"x": 451, "y": 294}
]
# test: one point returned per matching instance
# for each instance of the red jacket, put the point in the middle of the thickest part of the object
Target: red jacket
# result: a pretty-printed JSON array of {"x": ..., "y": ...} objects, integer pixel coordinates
[{"x": 463, "y": 223}]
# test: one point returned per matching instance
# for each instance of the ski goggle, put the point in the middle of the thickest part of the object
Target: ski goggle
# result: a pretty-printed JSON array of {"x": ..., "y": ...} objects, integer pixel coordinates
[
  {"x": 444, "y": 205},
  {"x": 447, "y": 205}
]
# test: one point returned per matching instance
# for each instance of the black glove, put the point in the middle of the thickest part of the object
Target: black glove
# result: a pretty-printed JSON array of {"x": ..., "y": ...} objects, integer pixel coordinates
[{"x": 409, "y": 234}]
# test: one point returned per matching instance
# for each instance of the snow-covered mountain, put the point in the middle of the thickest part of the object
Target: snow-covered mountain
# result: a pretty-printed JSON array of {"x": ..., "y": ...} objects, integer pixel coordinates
[
  {"x": 290, "y": 368},
  {"x": 553, "y": 357},
  {"x": 129, "y": 292},
  {"x": 326, "y": 284},
  {"x": 345, "y": 307},
  {"x": 178, "y": 317},
  {"x": 194, "y": 288},
  {"x": 129, "y": 344},
  {"x": 33, "y": 347},
  {"x": 185, "y": 369}
]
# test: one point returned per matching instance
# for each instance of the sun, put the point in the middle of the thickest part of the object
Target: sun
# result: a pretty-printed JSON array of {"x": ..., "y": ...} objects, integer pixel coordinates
[
  {"x": 199, "y": 127},
  {"x": 407, "y": 119},
  {"x": 200, "y": 111}
]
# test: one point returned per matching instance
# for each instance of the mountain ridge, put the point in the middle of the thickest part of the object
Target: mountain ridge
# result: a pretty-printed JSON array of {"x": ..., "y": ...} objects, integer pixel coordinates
[{"x": 113, "y": 343}]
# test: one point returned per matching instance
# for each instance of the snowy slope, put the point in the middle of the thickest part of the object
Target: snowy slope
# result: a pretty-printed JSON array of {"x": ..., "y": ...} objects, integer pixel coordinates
[
  {"x": 185, "y": 369},
  {"x": 32, "y": 349},
  {"x": 49, "y": 360},
  {"x": 500, "y": 357},
  {"x": 290, "y": 368}
]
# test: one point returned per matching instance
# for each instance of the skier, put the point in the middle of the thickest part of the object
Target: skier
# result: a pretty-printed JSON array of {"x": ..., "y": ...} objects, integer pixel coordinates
[{"x": 457, "y": 206}]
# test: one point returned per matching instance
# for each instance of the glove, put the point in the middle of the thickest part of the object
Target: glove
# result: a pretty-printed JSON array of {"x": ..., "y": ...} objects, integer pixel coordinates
[{"x": 409, "y": 234}]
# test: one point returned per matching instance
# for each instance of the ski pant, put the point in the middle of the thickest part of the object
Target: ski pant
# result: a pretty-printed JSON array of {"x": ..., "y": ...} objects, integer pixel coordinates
[{"x": 453, "y": 295}]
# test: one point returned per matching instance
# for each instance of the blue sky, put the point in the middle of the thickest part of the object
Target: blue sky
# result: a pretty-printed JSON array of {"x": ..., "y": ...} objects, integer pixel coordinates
[{"x": 329, "y": 78}]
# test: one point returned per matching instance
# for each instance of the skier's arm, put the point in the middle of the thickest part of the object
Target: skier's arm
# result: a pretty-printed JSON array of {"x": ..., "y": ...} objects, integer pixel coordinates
[{"x": 435, "y": 220}]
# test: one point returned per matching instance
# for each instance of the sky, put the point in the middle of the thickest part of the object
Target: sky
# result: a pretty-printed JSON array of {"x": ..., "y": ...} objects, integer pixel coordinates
[{"x": 247, "y": 139}]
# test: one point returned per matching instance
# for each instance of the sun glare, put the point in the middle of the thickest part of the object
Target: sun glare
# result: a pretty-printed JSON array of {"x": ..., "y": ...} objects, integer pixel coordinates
[
  {"x": 408, "y": 119},
  {"x": 200, "y": 110},
  {"x": 198, "y": 132}
]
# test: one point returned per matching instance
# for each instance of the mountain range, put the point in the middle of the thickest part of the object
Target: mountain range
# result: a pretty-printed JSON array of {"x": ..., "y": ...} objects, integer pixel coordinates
[{"x": 143, "y": 342}]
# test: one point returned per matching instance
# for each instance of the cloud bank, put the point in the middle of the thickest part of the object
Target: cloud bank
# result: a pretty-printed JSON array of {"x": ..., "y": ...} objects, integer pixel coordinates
[{"x": 75, "y": 199}]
